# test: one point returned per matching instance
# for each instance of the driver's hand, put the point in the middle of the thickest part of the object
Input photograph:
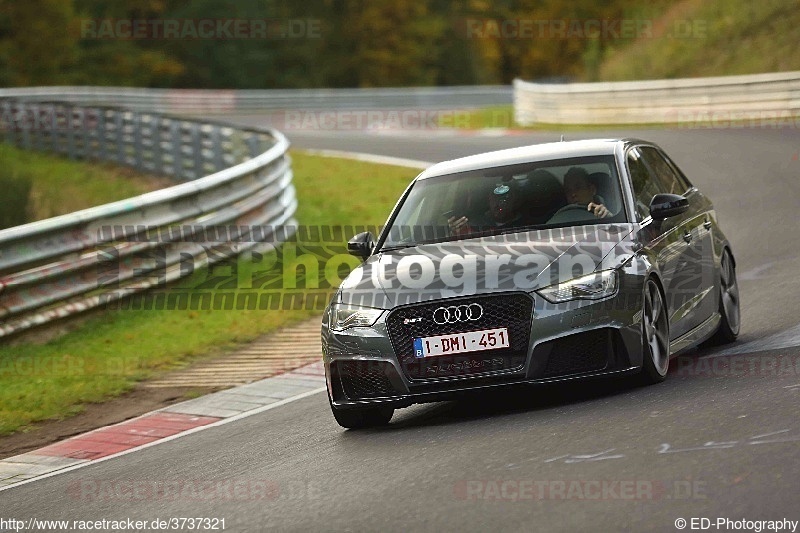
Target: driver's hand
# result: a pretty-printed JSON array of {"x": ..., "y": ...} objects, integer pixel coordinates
[
  {"x": 458, "y": 225},
  {"x": 599, "y": 210}
]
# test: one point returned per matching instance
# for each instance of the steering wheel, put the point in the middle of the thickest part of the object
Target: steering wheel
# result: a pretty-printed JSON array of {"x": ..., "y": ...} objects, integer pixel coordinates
[{"x": 572, "y": 207}]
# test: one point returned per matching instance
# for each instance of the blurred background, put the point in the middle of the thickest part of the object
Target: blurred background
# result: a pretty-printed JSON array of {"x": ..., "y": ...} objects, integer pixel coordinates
[{"x": 367, "y": 43}]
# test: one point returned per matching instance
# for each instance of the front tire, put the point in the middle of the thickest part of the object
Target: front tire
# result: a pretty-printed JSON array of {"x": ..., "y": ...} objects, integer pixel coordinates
[
  {"x": 655, "y": 336},
  {"x": 360, "y": 418}
]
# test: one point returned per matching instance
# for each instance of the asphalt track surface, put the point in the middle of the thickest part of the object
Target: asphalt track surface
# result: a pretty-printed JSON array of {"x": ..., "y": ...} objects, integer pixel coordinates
[{"x": 604, "y": 456}]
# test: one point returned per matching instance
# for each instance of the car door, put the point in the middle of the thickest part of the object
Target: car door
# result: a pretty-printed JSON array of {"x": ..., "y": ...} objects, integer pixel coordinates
[
  {"x": 704, "y": 237},
  {"x": 694, "y": 280},
  {"x": 664, "y": 239}
]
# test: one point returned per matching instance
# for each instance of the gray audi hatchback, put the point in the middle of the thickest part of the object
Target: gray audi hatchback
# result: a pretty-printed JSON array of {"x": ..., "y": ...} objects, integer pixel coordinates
[{"x": 545, "y": 263}]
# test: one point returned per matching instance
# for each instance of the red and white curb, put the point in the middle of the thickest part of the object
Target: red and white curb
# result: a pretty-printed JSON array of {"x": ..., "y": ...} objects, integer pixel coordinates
[{"x": 163, "y": 425}]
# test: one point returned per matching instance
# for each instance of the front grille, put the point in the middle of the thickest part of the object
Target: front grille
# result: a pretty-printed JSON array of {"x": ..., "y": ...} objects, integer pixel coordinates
[
  {"x": 365, "y": 379},
  {"x": 512, "y": 311},
  {"x": 578, "y": 353}
]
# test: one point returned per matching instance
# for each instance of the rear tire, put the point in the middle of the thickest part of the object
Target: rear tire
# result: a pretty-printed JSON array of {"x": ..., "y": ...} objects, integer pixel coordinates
[
  {"x": 360, "y": 418},
  {"x": 730, "y": 322},
  {"x": 655, "y": 336}
]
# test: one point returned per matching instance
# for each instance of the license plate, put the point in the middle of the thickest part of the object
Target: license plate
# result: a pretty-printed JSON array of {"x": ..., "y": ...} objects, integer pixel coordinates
[{"x": 472, "y": 341}]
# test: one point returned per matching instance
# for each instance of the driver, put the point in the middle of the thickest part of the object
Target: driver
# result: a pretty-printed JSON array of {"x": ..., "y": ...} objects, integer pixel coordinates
[
  {"x": 580, "y": 190},
  {"x": 504, "y": 211}
]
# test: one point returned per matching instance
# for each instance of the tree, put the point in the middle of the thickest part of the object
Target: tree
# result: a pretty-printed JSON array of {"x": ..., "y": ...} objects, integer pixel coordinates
[{"x": 38, "y": 41}]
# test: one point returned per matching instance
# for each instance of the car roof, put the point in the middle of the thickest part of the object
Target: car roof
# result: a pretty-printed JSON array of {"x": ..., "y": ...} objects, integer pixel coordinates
[{"x": 527, "y": 154}]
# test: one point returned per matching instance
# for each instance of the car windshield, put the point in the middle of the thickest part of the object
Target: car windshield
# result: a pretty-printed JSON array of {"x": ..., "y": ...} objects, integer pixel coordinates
[{"x": 499, "y": 200}]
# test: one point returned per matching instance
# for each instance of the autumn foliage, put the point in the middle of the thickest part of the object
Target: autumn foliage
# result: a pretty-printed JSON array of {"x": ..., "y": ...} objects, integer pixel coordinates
[{"x": 313, "y": 43}]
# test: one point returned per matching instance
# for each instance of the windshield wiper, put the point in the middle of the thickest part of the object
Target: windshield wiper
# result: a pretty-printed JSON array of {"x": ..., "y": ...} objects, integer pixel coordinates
[
  {"x": 521, "y": 229},
  {"x": 397, "y": 247}
]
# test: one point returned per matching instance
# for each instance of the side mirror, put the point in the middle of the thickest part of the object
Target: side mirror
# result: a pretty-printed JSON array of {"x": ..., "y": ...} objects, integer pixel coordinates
[
  {"x": 667, "y": 205},
  {"x": 361, "y": 245}
]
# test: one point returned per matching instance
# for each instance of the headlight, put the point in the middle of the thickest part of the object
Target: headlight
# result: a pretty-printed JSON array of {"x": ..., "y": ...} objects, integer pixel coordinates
[
  {"x": 345, "y": 316},
  {"x": 592, "y": 287}
]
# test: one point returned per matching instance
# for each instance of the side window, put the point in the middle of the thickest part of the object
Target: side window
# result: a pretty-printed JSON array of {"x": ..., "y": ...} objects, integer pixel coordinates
[
  {"x": 669, "y": 180},
  {"x": 681, "y": 176},
  {"x": 644, "y": 186}
]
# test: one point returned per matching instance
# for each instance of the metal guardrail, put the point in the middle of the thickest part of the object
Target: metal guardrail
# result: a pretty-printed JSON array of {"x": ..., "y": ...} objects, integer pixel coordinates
[
  {"x": 723, "y": 99},
  {"x": 232, "y": 177},
  {"x": 223, "y": 101}
]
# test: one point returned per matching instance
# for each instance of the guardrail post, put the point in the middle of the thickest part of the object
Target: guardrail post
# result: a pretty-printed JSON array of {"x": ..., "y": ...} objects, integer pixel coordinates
[
  {"x": 61, "y": 119},
  {"x": 9, "y": 122},
  {"x": 81, "y": 133},
  {"x": 252, "y": 144},
  {"x": 177, "y": 156},
  {"x": 35, "y": 112},
  {"x": 26, "y": 132},
  {"x": 197, "y": 149},
  {"x": 155, "y": 139},
  {"x": 70, "y": 134},
  {"x": 138, "y": 148},
  {"x": 216, "y": 143},
  {"x": 52, "y": 127},
  {"x": 119, "y": 137},
  {"x": 102, "y": 133}
]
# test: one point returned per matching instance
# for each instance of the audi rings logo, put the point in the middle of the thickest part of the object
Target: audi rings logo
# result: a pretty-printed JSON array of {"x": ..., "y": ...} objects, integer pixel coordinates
[{"x": 457, "y": 313}]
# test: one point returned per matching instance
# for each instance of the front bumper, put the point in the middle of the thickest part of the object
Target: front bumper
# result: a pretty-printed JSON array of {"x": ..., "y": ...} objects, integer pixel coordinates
[{"x": 576, "y": 340}]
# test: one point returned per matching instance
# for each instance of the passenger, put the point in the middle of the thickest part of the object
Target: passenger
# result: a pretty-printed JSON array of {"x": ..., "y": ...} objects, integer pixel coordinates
[{"x": 504, "y": 212}]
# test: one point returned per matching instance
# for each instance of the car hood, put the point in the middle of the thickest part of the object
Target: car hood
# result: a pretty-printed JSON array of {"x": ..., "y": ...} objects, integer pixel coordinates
[{"x": 520, "y": 261}]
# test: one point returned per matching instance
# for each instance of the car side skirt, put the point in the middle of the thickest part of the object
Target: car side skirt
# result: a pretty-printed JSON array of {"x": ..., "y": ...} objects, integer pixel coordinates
[{"x": 694, "y": 337}]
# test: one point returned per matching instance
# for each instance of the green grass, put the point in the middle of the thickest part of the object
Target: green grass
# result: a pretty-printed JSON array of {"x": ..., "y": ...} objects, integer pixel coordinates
[
  {"x": 110, "y": 353},
  {"x": 501, "y": 116},
  {"x": 341, "y": 191},
  {"x": 46, "y": 185},
  {"x": 694, "y": 38}
]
